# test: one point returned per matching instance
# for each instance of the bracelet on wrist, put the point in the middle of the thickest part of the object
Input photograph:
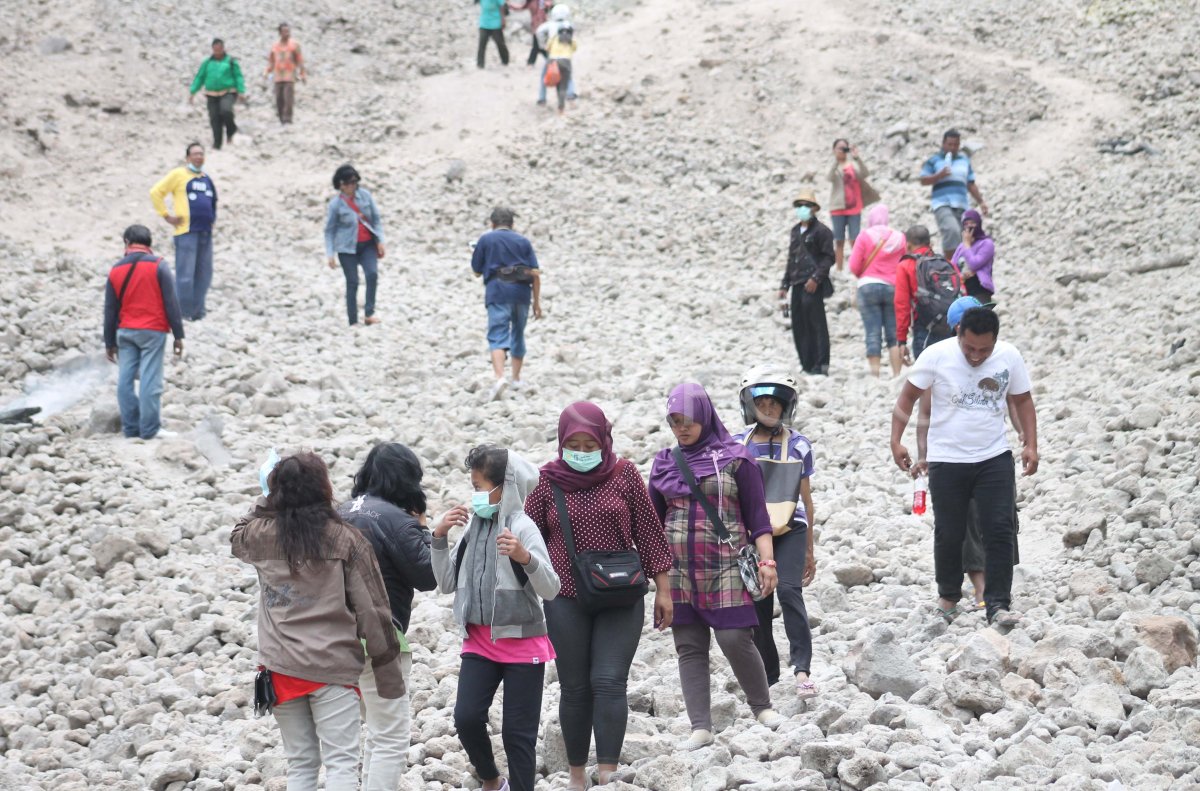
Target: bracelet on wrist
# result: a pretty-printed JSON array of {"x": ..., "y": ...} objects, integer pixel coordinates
[{"x": 770, "y": 564}]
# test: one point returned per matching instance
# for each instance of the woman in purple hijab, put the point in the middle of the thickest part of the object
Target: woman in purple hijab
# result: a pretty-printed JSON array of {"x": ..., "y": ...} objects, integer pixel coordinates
[
  {"x": 706, "y": 587},
  {"x": 975, "y": 256},
  {"x": 609, "y": 510}
]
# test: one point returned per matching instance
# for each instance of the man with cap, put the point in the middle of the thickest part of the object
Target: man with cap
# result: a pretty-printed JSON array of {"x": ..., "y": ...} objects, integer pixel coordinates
[
  {"x": 810, "y": 257},
  {"x": 509, "y": 268},
  {"x": 971, "y": 378}
]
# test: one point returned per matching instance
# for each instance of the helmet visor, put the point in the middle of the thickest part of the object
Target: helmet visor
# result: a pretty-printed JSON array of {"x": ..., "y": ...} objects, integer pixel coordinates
[{"x": 780, "y": 393}]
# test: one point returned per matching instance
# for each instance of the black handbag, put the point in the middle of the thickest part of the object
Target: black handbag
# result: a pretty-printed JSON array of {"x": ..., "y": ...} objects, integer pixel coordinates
[
  {"x": 264, "y": 692},
  {"x": 603, "y": 579},
  {"x": 747, "y": 555}
]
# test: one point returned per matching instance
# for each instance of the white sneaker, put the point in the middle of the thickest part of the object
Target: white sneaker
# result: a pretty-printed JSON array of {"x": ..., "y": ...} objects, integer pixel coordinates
[
  {"x": 163, "y": 433},
  {"x": 518, "y": 384},
  {"x": 771, "y": 718},
  {"x": 699, "y": 738},
  {"x": 497, "y": 389}
]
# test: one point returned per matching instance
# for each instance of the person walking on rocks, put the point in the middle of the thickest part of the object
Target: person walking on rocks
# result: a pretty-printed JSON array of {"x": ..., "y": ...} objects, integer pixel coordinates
[
  {"x": 952, "y": 178},
  {"x": 874, "y": 259},
  {"x": 560, "y": 16},
  {"x": 193, "y": 214},
  {"x": 604, "y": 503},
  {"x": 810, "y": 257},
  {"x": 320, "y": 591},
  {"x": 509, "y": 268},
  {"x": 975, "y": 256},
  {"x": 387, "y": 506},
  {"x": 499, "y": 573},
  {"x": 538, "y": 13},
  {"x": 491, "y": 26},
  {"x": 220, "y": 77},
  {"x": 850, "y": 193},
  {"x": 769, "y": 398},
  {"x": 140, "y": 307},
  {"x": 972, "y": 378},
  {"x": 705, "y": 535},
  {"x": 354, "y": 234},
  {"x": 926, "y": 284},
  {"x": 559, "y": 50},
  {"x": 284, "y": 65}
]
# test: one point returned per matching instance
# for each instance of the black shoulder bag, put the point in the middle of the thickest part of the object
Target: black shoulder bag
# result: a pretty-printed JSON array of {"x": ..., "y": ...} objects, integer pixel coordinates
[
  {"x": 602, "y": 579},
  {"x": 264, "y": 692},
  {"x": 747, "y": 555}
]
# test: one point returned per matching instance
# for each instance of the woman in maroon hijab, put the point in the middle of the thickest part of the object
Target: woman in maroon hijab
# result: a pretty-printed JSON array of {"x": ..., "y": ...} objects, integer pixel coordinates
[{"x": 609, "y": 510}]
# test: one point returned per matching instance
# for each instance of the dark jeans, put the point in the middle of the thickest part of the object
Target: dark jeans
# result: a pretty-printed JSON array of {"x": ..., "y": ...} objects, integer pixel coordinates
[
  {"x": 594, "y": 651},
  {"x": 564, "y": 82},
  {"x": 975, "y": 289},
  {"x": 478, "y": 680},
  {"x": 810, "y": 330},
  {"x": 220, "y": 116},
  {"x": 923, "y": 339},
  {"x": 791, "y": 552},
  {"x": 366, "y": 256},
  {"x": 534, "y": 51},
  {"x": 494, "y": 35},
  {"x": 285, "y": 101},
  {"x": 991, "y": 484}
]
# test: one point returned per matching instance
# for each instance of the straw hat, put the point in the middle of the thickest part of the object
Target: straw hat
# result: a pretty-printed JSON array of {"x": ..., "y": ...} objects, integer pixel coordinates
[{"x": 807, "y": 196}]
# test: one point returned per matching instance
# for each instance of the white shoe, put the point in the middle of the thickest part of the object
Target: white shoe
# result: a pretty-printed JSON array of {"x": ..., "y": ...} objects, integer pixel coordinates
[
  {"x": 518, "y": 384},
  {"x": 163, "y": 433},
  {"x": 699, "y": 738},
  {"x": 771, "y": 718},
  {"x": 497, "y": 389}
]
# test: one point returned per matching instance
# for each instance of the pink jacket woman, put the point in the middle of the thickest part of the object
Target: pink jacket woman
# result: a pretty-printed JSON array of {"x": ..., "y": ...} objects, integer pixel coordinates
[{"x": 877, "y": 250}]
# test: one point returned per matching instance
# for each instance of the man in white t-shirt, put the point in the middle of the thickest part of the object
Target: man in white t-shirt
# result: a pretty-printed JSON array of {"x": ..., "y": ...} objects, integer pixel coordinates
[{"x": 972, "y": 378}]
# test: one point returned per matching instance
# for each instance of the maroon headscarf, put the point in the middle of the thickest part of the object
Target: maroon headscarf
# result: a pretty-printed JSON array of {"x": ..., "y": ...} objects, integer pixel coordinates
[
  {"x": 710, "y": 454},
  {"x": 582, "y": 417}
]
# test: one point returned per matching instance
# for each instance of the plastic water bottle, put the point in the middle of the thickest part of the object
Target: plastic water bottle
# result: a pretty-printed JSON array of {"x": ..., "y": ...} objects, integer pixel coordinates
[
  {"x": 920, "y": 492},
  {"x": 785, "y": 308}
]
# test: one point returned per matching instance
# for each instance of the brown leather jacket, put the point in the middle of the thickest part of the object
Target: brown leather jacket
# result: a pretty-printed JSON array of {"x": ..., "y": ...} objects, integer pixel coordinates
[{"x": 310, "y": 623}]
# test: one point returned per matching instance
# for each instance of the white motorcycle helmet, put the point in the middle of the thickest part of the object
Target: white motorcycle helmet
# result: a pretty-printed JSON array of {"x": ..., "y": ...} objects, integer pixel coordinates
[
  {"x": 773, "y": 381},
  {"x": 560, "y": 12}
]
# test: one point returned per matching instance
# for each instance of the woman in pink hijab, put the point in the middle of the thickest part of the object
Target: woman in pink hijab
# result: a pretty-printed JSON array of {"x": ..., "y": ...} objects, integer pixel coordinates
[
  {"x": 873, "y": 261},
  {"x": 608, "y": 509}
]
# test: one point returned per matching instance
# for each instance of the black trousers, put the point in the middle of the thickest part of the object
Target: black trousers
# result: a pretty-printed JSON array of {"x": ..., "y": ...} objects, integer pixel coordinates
[
  {"x": 494, "y": 35},
  {"x": 478, "y": 680},
  {"x": 810, "y": 330},
  {"x": 991, "y": 484},
  {"x": 791, "y": 552},
  {"x": 220, "y": 117}
]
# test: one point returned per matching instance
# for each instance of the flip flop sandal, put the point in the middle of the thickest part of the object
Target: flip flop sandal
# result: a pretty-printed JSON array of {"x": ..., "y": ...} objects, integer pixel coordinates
[
  {"x": 806, "y": 690},
  {"x": 949, "y": 615},
  {"x": 980, "y": 605}
]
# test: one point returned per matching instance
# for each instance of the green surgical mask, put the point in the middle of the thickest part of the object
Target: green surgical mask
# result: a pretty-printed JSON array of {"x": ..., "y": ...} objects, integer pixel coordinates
[
  {"x": 580, "y": 461},
  {"x": 480, "y": 505},
  {"x": 804, "y": 213}
]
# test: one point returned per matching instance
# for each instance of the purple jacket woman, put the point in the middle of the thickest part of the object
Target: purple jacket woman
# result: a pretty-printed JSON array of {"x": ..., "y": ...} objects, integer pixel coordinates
[{"x": 975, "y": 256}]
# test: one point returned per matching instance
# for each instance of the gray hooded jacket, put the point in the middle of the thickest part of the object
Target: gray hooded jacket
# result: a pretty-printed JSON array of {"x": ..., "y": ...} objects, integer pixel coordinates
[{"x": 486, "y": 588}]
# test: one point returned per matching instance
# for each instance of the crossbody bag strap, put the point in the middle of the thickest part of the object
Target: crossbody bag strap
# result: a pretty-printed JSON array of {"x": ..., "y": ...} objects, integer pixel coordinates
[
  {"x": 564, "y": 520},
  {"x": 875, "y": 252},
  {"x": 705, "y": 503},
  {"x": 125, "y": 285}
]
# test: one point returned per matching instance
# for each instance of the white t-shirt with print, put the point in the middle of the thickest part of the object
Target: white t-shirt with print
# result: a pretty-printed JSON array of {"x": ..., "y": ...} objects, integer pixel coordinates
[{"x": 966, "y": 422}]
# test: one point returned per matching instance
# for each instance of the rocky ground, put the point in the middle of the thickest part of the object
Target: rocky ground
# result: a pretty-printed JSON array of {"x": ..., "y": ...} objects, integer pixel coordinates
[{"x": 659, "y": 207}]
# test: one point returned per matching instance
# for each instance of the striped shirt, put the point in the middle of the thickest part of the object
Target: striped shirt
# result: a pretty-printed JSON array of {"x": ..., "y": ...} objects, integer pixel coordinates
[{"x": 952, "y": 190}]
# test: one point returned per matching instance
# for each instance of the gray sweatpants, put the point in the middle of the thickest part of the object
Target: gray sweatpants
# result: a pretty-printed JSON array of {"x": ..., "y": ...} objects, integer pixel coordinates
[
  {"x": 564, "y": 82},
  {"x": 692, "y": 643}
]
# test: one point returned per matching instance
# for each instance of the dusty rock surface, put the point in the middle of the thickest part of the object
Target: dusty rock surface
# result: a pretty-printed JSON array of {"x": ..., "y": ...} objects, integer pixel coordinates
[{"x": 659, "y": 207}]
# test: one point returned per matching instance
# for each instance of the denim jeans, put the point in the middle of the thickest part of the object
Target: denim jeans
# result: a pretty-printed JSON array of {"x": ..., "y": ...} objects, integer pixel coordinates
[
  {"x": 876, "y": 305},
  {"x": 922, "y": 339},
  {"x": 506, "y": 327},
  {"x": 791, "y": 553},
  {"x": 140, "y": 356},
  {"x": 571, "y": 92},
  {"x": 478, "y": 680},
  {"x": 991, "y": 484},
  {"x": 366, "y": 256},
  {"x": 321, "y": 727},
  {"x": 193, "y": 272},
  {"x": 594, "y": 652},
  {"x": 841, "y": 223},
  {"x": 389, "y": 731}
]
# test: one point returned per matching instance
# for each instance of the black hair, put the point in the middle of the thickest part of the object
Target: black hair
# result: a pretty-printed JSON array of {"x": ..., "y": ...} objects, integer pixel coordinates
[
  {"x": 841, "y": 140},
  {"x": 187, "y": 152},
  {"x": 490, "y": 461},
  {"x": 917, "y": 235},
  {"x": 392, "y": 472},
  {"x": 502, "y": 217},
  {"x": 980, "y": 321},
  {"x": 137, "y": 234},
  {"x": 950, "y": 133},
  {"x": 217, "y": 41},
  {"x": 301, "y": 505},
  {"x": 343, "y": 174},
  {"x": 282, "y": 25}
]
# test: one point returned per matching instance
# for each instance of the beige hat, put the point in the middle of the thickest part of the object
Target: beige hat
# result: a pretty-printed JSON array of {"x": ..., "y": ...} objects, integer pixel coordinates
[{"x": 807, "y": 196}]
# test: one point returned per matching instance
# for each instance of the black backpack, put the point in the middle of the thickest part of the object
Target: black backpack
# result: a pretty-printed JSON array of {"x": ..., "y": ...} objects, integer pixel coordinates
[
  {"x": 939, "y": 283},
  {"x": 566, "y": 34}
]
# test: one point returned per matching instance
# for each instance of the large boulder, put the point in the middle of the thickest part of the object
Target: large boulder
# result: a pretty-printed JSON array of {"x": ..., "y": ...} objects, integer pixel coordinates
[
  {"x": 975, "y": 690},
  {"x": 1144, "y": 671},
  {"x": 1089, "y": 642},
  {"x": 1172, "y": 637},
  {"x": 878, "y": 665}
]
